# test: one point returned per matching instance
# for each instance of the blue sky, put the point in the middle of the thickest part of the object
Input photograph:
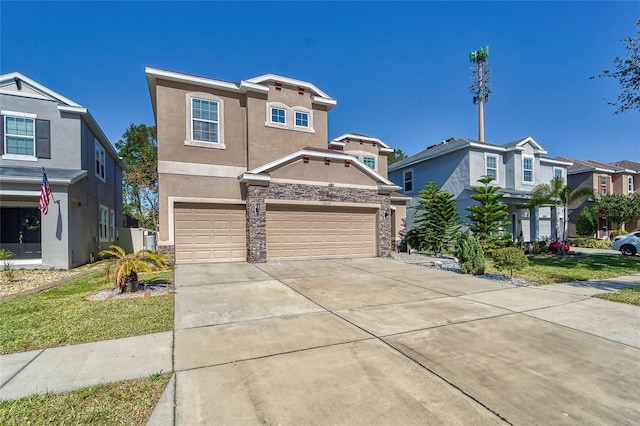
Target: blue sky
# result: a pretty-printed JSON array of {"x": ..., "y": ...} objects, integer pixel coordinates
[{"x": 399, "y": 71}]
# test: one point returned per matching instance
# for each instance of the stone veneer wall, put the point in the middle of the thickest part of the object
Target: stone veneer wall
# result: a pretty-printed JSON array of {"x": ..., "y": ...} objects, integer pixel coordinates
[{"x": 257, "y": 218}]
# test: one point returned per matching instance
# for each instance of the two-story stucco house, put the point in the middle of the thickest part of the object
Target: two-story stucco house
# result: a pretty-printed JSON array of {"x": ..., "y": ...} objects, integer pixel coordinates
[
  {"x": 245, "y": 173},
  {"x": 456, "y": 164},
  {"x": 42, "y": 129},
  {"x": 619, "y": 177}
]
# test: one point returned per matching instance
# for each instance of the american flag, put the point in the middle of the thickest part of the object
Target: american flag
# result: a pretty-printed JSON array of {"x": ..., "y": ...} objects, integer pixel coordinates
[{"x": 45, "y": 193}]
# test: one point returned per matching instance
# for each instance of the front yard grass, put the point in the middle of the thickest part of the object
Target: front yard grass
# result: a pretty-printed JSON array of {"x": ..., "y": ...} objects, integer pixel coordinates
[
  {"x": 629, "y": 295},
  {"x": 550, "y": 269},
  {"x": 128, "y": 402},
  {"x": 62, "y": 316}
]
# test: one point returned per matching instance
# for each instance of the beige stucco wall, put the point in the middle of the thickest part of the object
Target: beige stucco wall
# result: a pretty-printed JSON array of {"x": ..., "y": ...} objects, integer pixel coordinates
[
  {"x": 173, "y": 117},
  {"x": 317, "y": 171},
  {"x": 269, "y": 143},
  {"x": 399, "y": 216},
  {"x": 354, "y": 147}
]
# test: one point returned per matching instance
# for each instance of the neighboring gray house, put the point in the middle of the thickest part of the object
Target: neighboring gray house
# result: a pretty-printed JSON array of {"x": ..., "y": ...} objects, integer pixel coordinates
[
  {"x": 456, "y": 164},
  {"x": 42, "y": 129}
]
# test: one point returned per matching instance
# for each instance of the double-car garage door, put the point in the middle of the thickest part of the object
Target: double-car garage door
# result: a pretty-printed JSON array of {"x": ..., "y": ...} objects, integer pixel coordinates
[{"x": 217, "y": 233}]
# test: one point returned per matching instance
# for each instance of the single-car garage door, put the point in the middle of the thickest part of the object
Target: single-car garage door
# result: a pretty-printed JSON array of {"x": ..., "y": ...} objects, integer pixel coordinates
[
  {"x": 299, "y": 232},
  {"x": 210, "y": 233}
]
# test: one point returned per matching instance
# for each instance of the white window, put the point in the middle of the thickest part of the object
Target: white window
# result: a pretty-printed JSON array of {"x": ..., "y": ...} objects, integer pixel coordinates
[
  {"x": 604, "y": 184},
  {"x": 527, "y": 169},
  {"x": 278, "y": 115},
  {"x": 302, "y": 119},
  {"x": 19, "y": 141},
  {"x": 104, "y": 223},
  {"x": 370, "y": 161},
  {"x": 112, "y": 225},
  {"x": 630, "y": 184},
  {"x": 557, "y": 173},
  {"x": 204, "y": 120},
  {"x": 491, "y": 166},
  {"x": 100, "y": 159},
  {"x": 408, "y": 181}
]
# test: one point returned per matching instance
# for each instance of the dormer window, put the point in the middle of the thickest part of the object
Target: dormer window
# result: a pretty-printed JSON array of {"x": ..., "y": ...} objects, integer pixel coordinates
[
  {"x": 370, "y": 161},
  {"x": 278, "y": 115}
]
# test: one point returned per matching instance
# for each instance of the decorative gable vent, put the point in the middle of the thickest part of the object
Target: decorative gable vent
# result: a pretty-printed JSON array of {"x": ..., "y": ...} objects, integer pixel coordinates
[{"x": 278, "y": 85}]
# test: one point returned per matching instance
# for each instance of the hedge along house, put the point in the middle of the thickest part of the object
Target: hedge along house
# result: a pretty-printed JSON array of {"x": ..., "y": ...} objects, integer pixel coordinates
[
  {"x": 245, "y": 173},
  {"x": 43, "y": 129}
]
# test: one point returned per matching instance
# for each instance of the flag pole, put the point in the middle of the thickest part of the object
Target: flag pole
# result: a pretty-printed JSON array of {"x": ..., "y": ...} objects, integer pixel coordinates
[{"x": 51, "y": 192}]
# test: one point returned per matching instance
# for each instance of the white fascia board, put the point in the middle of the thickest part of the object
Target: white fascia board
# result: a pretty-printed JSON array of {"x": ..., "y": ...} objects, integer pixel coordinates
[
  {"x": 389, "y": 150},
  {"x": 336, "y": 143},
  {"x": 388, "y": 188},
  {"x": 192, "y": 79},
  {"x": 72, "y": 109},
  {"x": 324, "y": 101},
  {"x": 362, "y": 137},
  {"x": 38, "y": 86},
  {"x": 247, "y": 86},
  {"x": 254, "y": 178},
  {"x": 590, "y": 169},
  {"x": 557, "y": 162},
  {"x": 38, "y": 180},
  {"x": 317, "y": 154},
  {"x": 398, "y": 198},
  {"x": 290, "y": 81},
  {"x": 486, "y": 147}
]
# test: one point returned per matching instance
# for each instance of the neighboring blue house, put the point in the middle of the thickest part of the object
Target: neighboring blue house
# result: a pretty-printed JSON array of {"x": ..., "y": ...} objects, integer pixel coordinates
[
  {"x": 42, "y": 129},
  {"x": 456, "y": 164}
]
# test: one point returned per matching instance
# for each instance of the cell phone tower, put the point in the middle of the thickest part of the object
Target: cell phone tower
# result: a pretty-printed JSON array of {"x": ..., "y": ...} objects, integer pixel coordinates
[{"x": 479, "y": 86}]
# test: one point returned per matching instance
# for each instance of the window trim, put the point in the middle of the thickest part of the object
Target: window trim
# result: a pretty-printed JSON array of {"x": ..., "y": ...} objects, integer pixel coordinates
[
  {"x": 606, "y": 185},
  {"x": 103, "y": 226},
  {"x": 486, "y": 166},
  {"x": 295, "y": 119},
  {"x": 112, "y": 225},
  {"x": 100, "y": 174},
  {"x": 561, "y": 170},
  {"x": 533, "y": 163},
  {"x": 289, "y": 117},
  {"x": 360, "y": 155},
  {"x": 189, "y": 141},
  {"x": 630, "y": 184},
  {"x": 10, "y": 156},
  {"x": 404, "y": 181}
]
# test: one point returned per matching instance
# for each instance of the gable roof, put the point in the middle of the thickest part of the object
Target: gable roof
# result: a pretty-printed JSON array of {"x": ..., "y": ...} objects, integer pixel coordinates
[
  {"x": 586, "y": 166},
  {"x": 64, "y": 105},
  {"x": 244, "y": 86},
  {"x": 261, "y": 173},
  {"x": 627, "y": 164},
  {"x": 339, "y": 141},
  {"x": 520, "y": 143}
]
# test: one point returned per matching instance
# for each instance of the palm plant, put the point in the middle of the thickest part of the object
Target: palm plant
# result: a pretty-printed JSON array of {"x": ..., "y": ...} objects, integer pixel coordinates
[
  {"x": 127, "y": 266},
  {"x": 558, "y": 194}
]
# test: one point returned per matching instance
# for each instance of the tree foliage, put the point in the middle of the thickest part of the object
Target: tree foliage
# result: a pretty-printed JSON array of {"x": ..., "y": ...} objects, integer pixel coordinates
[
  {"x": 470, "y": 254},
  {"x": 617, "y": 208},
  {"x": 586, "y": 224},
  {"x": 510, "y": 259},
  {"x": 139, "y": 148},
  {"x": 627, "y": 72},
  {"x": 488, "y": 217},
  {"x": 557, "y": 194},
  {"x": 436, "y": 220},
  {"x": 127, "y": 266},
  {"x": 397, "y": 155}
]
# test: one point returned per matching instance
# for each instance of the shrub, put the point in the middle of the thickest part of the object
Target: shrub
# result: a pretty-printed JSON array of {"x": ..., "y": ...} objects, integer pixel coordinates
[
  {"x": 511, "y": 259},
  {"x": 470, "y": 254},
  {"x": 591, "y": 243},
  {"x": 586, "y": 224},
  {"x": 614, "y": 234}
]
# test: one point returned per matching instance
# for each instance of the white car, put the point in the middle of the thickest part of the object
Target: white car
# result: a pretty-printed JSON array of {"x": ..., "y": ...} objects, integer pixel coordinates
[{"x": 628, "y": 244}]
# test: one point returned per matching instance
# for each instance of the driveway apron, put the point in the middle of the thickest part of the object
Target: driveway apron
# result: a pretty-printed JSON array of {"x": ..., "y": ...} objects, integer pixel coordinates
[{"x": 375, "y": 341}]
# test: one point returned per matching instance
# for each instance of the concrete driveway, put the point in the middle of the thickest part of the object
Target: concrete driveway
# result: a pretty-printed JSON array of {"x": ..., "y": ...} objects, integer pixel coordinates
[{"x": 375, "y": 341}]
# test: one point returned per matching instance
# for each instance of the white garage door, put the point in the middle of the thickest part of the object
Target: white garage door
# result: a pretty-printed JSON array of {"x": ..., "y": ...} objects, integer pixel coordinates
[
  {"x": 206, "y": 233},
  {"x": 299, "y": 232}
]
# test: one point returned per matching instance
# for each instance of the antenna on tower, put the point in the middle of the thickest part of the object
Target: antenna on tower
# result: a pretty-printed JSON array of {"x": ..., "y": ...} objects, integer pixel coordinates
[{"x": 479, "y": 86}]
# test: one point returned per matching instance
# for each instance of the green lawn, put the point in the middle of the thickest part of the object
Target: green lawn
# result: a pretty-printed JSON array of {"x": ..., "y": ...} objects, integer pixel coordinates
[
  {"x": 62, "y": 315},
  {"x": 549, "y": 269},
  {"x": 129, "y": 402},
  {"x": 629, "y": 295}
]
